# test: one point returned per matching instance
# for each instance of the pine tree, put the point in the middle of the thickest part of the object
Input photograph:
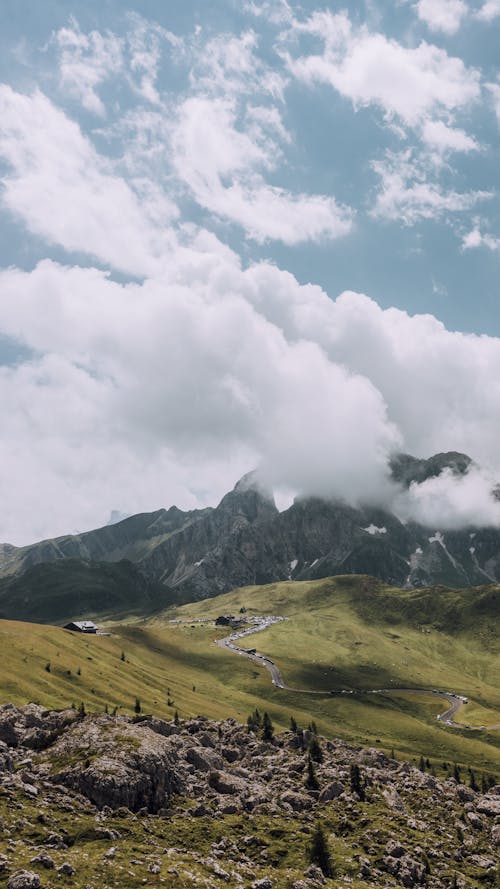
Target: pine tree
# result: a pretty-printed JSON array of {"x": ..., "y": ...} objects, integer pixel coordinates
[
  {"x": 421, "y": 764},
  {"x": 267, "y": 728},
  {"x": 456, "y": 773},
  {"x": 315, "y": 751},
  {"x": 472, "y": 781},
  {"x": 312, "y": 782},
  {"x": 137, "y": 706},
  {"x": 176, "y": 718},
  {"x": 293, "y": 724},
  {"x": 81, "y": 710},
  {"x": 319, "y": 853}
]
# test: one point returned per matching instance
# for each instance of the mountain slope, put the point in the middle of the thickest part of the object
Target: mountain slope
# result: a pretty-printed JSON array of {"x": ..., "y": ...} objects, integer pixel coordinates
[
  {"x": 246, "y": 540},
  {"x": 72, "y": 589}
]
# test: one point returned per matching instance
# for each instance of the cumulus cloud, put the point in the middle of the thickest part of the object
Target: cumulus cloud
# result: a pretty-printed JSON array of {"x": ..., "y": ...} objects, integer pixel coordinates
[
  {"x": 200, "y": 376},
  {"x": 442, "y": 15},
  {"x": 450, "y": 502}
]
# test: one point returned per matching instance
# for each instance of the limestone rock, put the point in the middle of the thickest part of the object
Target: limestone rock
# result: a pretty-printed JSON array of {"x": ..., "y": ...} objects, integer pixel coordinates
[{"x": 24, "y": 879}]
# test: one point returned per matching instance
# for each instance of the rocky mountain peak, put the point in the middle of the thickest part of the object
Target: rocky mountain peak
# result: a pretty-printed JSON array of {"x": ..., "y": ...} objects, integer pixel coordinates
[
  {"x": 407, "y": 469},
  {"x": 249, "y": 498}
]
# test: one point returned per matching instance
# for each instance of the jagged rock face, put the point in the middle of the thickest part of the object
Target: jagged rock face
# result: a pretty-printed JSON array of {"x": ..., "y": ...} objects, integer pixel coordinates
[{"x": 245, "y": 540}]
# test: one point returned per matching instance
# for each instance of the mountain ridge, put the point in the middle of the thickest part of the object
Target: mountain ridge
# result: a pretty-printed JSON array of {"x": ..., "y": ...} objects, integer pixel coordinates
[{"x": 245, "y": 540}]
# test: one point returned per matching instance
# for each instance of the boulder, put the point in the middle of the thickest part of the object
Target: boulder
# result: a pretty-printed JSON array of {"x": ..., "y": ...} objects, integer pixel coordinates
[
  {"x": 203, "y": 759},
  {"x": 24, "y": 879},
  {"x": 489, "y": 805},
  {"x": 331, "y": 791}
]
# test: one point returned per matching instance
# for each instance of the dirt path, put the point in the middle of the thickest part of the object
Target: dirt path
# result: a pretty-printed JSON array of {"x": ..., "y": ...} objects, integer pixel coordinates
[{"x": 455, "y": 701}]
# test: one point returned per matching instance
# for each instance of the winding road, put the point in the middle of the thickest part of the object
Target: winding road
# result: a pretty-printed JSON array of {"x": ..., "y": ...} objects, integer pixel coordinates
[{"x": 455, "y": 701}]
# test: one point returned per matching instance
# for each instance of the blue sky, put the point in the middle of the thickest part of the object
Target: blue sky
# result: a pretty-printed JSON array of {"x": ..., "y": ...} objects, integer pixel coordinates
[{"x": 210, "y": 215}]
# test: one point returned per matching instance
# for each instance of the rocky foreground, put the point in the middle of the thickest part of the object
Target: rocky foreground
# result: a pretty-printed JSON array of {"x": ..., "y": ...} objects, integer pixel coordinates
[{"x": 104, "y": 801}]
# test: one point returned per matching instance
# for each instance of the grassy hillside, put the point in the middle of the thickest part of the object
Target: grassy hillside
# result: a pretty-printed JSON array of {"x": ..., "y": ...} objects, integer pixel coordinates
[
  {"x": 74, "y": 588},
  {"x": 345, "y": 632}
]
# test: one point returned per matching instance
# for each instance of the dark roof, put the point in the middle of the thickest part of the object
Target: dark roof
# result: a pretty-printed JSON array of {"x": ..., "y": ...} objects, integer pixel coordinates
[{"x": 83, "y": 625}]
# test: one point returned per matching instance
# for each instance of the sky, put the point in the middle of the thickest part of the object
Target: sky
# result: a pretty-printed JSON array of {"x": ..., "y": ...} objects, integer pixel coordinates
[{"x": 246, "y": 234}]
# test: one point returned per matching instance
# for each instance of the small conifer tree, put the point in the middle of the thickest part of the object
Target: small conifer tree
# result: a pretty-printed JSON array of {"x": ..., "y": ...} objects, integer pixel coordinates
[
  {"x": 312, "y": 782},
  {"x": 315, "y": 751},
  {"x": 137, "y": 706},
  {"x": 267, "y": 728},
  {"x": 176, "y": 718},
  {"x": 293, "y": 724}
]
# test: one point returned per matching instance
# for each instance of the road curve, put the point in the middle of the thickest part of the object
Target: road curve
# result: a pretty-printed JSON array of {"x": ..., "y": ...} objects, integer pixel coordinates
[{"x": 455, "y": 701}]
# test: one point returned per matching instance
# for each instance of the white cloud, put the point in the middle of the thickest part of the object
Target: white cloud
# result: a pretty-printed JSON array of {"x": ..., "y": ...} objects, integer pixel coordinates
[
  {"x": 489, "y": 11},
  {"x": 440, "y": 387},
  {"x": 474, "y": 239},
  {"x": 223, "y": 166},
  {"x": 442, "y": 15},
  {"x": 142, "y": 394},
  {"x": 450, "y": 502},
  {"x": 86, "y": 61},
  {"x": 406, "y": 193},
  {"x": 186, "y": 375},
  {"x": 229, "y": 65},
  {"x": 409, "y": 83},
  {"x": 69, "y": 195},
  {"x": 494, "y": 91},
  {"x": 443, "y": 138}
]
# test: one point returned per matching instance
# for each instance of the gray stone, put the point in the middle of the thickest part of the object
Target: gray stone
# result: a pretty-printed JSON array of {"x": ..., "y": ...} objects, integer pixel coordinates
[{"x": 24, "y": 879}]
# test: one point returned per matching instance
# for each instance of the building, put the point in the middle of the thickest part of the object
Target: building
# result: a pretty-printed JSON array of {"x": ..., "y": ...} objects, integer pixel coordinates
[
  {"x": 225, "y": 620},
  {"x": 81, "y": 626}
]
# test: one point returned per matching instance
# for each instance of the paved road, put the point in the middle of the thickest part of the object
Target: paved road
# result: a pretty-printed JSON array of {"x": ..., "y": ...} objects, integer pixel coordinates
[{"x": 258, "y": 624}]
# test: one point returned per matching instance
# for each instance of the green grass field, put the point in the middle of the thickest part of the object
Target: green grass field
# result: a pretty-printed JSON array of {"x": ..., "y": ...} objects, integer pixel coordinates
[{"x": 341, "y": 633}]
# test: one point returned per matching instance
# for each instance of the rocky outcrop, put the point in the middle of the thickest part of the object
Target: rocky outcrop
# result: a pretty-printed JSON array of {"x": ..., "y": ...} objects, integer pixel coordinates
[
  {"x": 117, "y": 764},
  {"x": 118, "y": 777}
]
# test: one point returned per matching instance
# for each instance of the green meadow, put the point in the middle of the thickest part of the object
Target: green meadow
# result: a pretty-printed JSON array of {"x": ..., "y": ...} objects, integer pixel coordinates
[{"x": 349, "y": 633}]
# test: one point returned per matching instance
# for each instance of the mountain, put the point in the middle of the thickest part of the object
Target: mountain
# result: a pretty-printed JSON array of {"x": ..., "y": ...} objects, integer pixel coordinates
[
  {"x": 245, "y": 540},
  {"x": 74, "y": 588}
]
